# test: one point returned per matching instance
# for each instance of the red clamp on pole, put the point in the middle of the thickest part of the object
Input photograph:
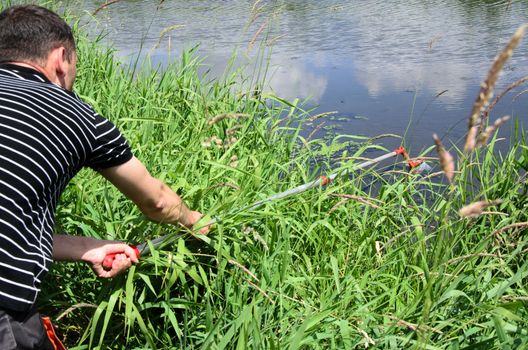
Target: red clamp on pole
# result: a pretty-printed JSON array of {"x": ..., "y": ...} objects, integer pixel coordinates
[
  {"x": 325, "y": 180},
  {"x": 400, "y": 150},
  {"x": 413, "y": 163},
  {"x": 410, "y": 163},
  {"x": 109, "y": 259}
]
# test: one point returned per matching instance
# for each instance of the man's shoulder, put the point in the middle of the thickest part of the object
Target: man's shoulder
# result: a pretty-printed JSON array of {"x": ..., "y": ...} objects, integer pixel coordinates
[{"x": 44, "y": 94}]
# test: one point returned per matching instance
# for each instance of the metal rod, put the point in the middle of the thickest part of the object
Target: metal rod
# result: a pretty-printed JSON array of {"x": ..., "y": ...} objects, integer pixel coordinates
[
  {"x": 321, "y": 181},
  {"x": 144, "y": 248}
]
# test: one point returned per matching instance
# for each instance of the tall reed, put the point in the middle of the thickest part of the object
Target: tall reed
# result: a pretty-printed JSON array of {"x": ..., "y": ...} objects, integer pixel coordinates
[{"x": 393, "y": 266}]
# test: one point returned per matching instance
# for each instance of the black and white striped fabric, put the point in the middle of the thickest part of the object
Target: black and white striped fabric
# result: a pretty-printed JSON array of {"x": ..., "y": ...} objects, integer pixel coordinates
[{"x": 47, "y": 134}]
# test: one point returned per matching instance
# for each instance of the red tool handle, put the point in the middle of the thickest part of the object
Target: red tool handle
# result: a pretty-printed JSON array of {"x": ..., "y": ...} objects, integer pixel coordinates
[{"x": 109, "y": 259}]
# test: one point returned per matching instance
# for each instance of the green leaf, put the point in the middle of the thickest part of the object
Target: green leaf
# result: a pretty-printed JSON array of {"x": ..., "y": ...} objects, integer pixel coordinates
[
  {"x": 501, "y": 333},
  {"x": 95, "y": 320},
  {"x": 305, "y": 327},
  {"x": 453, "y": 294},
  {"x": 108, "y": 314},
  {"x": 335, "y": 270}
]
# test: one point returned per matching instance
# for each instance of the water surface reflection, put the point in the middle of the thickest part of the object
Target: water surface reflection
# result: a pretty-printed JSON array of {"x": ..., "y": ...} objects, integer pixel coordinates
[{"x": 381, "y": 64}]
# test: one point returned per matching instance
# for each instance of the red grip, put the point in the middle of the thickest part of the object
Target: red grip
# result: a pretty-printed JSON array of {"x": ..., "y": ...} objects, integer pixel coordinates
[
  {"x": 400, "y": 150},
  {"x": 109, "y": 259},
  {"x": 414, "y": 163},
  {"x": 325, "y": 180}
]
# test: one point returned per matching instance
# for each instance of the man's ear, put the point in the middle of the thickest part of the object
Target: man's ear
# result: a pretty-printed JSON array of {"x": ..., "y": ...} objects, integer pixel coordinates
[{"x": 61, "y": 61}]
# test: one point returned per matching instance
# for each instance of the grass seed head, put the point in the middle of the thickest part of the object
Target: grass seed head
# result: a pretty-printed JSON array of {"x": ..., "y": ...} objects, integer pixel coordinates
[
  {"x": 446, "y": 159},
  {"x": 486, "y": 89},
  {"x": 233, "y": 161},
  {"x": 256, "y": 236},
  {"x": 220, "y": 117},
  {"x": 243, "y": 268},
  {"x": 213, "y": 140},
  {"x": 486, "y": 134},
  {"x": 475, "y": 209},
  {"x": 346, "y": 197},
  {"x": 499, "y": 97},
  {"x": 229, "y": 142},
  {"x": 232, "y": 131}
]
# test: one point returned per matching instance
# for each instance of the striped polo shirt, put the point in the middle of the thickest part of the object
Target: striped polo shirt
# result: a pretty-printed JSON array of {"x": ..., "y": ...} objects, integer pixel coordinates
[{"x": 47, "y": 134}]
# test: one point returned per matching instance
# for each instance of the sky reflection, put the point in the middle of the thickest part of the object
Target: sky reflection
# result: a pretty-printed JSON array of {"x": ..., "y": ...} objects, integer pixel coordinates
[{"x": 381, "y": 64}]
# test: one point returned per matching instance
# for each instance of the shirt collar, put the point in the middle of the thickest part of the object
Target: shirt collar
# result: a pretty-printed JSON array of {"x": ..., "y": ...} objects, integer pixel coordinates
[{"x": 23, "y": 72}]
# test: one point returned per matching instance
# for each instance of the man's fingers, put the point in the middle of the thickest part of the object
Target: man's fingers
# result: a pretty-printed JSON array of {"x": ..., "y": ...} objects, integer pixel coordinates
[
  {"x": 121, "y": 261},
  {"x": 131, "y": 253},
  {"x": 205, "y": 230},
  {"x": 120, "y": 264},
  {"x": 202, "y": 223},
  {"x": 100, "y": 272},
  {"x": 122, "y": 248}
]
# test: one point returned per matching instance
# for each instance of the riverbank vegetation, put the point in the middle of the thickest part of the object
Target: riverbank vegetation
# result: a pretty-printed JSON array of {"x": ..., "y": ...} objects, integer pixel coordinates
[{"x": 374, "y": 260}]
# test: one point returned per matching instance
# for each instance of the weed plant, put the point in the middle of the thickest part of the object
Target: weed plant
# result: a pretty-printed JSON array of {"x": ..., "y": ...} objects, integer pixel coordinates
[{"x": 340, "y": 267}]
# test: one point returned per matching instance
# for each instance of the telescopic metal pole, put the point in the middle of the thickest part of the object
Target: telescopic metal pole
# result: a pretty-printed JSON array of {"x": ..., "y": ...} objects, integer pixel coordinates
[
  {"x": 144, "y": 248},
  {"x": 321, "y": 181}
]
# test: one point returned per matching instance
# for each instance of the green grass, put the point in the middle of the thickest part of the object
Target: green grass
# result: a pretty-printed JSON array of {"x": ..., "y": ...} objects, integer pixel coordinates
[{"x": 314, "y": 271}]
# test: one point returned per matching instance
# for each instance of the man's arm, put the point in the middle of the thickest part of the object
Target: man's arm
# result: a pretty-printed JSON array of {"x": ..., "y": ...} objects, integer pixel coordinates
[{"x": 154, "y": 198}]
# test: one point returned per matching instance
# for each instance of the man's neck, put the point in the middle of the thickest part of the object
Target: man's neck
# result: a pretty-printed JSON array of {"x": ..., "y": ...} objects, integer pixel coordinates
[
  {"x": 48, "y": 73},
  {"x": 29, "y": 65}
]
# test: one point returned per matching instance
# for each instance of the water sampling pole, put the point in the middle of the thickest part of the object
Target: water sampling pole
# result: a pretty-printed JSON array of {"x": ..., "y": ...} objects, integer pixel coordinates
[{"x": 144, "y": 248}]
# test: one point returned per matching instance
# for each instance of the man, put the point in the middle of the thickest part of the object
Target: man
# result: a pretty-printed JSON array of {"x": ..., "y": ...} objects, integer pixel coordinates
[{"x": 47, "y": 134}]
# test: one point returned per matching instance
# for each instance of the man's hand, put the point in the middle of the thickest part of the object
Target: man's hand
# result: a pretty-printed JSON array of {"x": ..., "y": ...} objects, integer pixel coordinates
[
  {"x": 125, "y": 256},
  {"x": 194, "y": 220},
  {"x": 94, "y": 251}
]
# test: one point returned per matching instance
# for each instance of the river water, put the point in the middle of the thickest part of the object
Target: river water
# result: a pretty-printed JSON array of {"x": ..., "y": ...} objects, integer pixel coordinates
[{"x": 411, "y": 68}]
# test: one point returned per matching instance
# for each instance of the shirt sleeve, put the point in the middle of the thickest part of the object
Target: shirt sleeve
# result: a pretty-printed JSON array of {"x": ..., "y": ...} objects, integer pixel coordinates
[{"x": 110, "y": 147}]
